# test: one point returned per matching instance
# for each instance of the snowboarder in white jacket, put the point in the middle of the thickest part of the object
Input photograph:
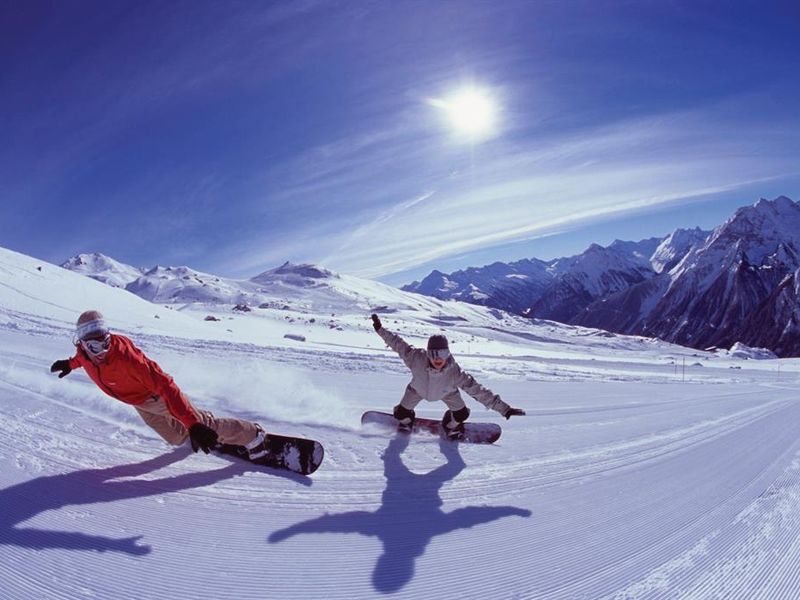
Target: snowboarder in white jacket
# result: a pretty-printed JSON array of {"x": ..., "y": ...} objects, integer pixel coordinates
[{"x": 435, "y": 375}]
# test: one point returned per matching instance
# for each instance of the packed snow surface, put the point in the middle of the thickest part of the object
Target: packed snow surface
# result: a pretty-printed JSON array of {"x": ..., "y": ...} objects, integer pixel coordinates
[{"x": 642, "y": 469}]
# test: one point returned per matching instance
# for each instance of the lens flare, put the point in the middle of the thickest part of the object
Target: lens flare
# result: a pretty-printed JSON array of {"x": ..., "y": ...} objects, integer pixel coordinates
[{"x": 470, "y": 111}]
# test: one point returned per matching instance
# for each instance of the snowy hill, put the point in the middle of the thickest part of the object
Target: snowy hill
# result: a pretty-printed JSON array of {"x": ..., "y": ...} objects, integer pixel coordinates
[
  {"x": 642, "y": 470},
  {"x": 329, "y": 311},
  {"x": 307, "y": 288},
  {"x": 184, "y": 285},
  {"x": 103, "y": 268},
  {"x": 176, "y": 285}
]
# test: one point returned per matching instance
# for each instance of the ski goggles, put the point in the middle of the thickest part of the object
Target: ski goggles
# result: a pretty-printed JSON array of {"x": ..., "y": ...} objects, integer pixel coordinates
[
  {"x": 440, "y": 353},
  {"x": 96, "y": 347},
  {"x": 91, "y": 329}
]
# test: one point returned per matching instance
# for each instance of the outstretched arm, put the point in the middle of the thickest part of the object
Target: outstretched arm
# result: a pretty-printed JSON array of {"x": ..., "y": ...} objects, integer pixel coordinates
[
  {"x": 486, "y": 396},
  {"x": 359, "y": 521},
  {"x": 66, "y": 366}
]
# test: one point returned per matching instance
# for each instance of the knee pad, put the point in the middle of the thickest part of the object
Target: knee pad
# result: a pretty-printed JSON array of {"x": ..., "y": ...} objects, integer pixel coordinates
[
  {"x": 400, "y": 413},
  {"x": 454, "y": 418},
  {"x": 461, "y": 415}
]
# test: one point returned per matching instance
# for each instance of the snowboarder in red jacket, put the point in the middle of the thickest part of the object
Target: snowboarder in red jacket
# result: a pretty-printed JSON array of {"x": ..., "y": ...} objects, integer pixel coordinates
[{"x": 123, "y": 372}]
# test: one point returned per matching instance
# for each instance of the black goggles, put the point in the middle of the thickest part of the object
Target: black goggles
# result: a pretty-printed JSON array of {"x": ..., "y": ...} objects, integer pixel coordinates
[{"x": 442, "y": 353}]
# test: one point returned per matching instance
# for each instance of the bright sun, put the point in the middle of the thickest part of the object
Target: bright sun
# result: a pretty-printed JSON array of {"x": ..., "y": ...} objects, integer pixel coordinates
[{"x": 471, "y": 111}]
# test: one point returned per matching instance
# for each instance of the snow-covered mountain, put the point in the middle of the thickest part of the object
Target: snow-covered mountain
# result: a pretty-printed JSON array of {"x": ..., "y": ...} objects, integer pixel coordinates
[
  {"x": 184, "y": 286},
  {"x": 693, "y": 287},
  {"x": 736, "y": 286},
  {"x": 717, "y": 288},
  {"x": 674, "y": 247},
  {"x": 103, "y": 268},
  {"x": 328, "y": 312},
  {"x": 557, "y": 289},
  {"x": 599, "y": 271},
  {"x": 508, "y": 286},
  {"x": 775, "y": 323}
]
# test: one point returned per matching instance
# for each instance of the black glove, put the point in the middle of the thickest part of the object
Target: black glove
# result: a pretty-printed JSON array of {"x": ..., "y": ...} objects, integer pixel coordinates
[
  {"x": 63, "y": 366},
  {"x": 376, "y": 323},
  {"x": 513, "y": 412},
  {"x": 202, "y": 437}
]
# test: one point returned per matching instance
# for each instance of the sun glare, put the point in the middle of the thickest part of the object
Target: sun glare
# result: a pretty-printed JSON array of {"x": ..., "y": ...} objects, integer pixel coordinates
[{"x": 470, "y": 111}]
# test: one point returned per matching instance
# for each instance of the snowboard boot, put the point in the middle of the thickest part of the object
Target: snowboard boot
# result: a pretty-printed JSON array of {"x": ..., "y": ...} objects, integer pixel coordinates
[
  {"x": 405, "y": 418},
  {"x": 258, "y": 447},
  {"x": 453, "y": 423}
]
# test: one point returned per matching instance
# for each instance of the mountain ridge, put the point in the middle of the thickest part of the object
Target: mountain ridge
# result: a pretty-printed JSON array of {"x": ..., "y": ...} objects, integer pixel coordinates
[
  {"x": 696, "y": 288},
  {"x": 736, "y": 283}
]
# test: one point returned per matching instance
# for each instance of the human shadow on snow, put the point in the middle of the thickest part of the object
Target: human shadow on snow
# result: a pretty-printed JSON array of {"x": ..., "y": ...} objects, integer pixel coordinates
[
  {"x": 409, "y": 517},
  {"x": 23, "y": 501}
]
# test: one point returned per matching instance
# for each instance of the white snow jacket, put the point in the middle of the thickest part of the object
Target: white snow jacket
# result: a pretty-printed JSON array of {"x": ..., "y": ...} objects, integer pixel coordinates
[{"x": 433, "y": 384}]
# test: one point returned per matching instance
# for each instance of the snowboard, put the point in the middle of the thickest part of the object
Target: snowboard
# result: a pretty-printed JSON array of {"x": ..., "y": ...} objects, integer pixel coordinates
[
  {"x": 474, "y": 433},
  {"x": 290, "y": 453}
]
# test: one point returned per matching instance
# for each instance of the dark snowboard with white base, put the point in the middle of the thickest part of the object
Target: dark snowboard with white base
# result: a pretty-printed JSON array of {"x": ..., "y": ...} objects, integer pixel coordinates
[
  {"x": 474, "y": 433},
  {"x": 300, "y": 455}
]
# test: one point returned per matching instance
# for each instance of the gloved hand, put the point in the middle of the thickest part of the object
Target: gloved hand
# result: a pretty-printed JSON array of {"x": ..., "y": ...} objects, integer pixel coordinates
[
  {"x": 63, "y": 366},
  {"x": 513, "y": 412},
  {"x": 202, "y": 437},
  {"x": 376, "y": 322}
]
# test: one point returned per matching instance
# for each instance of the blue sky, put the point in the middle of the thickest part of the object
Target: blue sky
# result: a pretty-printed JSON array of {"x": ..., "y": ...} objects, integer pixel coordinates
[{"x": 233, "y": 136}]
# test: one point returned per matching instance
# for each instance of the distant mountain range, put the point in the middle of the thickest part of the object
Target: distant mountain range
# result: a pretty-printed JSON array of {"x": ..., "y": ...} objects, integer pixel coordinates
[
  {"x": 737, "y": 283},
  {"x": 170, "y": 285},
  {"x": 290, "y": 289}
]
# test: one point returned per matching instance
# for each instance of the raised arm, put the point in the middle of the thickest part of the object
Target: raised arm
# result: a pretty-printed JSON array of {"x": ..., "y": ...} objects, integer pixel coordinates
[{"x": 394, "y": 341}]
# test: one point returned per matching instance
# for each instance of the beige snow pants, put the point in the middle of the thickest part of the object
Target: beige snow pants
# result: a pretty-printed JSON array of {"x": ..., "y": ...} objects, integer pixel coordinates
[{"x": 155, "y": 413}]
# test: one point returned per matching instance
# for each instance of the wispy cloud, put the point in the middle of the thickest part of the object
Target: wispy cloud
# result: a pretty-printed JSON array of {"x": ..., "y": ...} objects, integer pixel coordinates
[
  {"x": 373, "y": 228},
  {"x": 234, "y": 137},
  {"x": 514, "y": 191}
]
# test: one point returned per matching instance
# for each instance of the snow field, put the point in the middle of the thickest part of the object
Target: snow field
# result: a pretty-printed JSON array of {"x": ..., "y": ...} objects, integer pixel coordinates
[
  {"x": 623, "y": 481},
  {"x": 616, "y": 490}
]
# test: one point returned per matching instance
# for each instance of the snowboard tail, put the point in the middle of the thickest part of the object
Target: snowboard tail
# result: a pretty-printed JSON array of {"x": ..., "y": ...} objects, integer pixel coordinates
[
  {"x": 474, "y": 432},
  {"x": 299, "y": 455}
]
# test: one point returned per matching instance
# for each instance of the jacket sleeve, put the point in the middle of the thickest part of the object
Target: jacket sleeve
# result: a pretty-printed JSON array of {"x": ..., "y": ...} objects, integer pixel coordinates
[
  {"x": 162, "y": 385},
  {"x": 74, "y": 362},
  {"x": 482, "y": 394},
  {"x": 399, "y": 345}
]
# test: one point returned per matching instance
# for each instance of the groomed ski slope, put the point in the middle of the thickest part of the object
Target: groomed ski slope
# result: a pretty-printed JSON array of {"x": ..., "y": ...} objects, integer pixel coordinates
[{"x": 627, "y": 479}]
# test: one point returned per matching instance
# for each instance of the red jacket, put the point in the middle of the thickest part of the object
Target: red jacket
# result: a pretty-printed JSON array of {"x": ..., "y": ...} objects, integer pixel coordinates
[{"x": 128, "y": 375}]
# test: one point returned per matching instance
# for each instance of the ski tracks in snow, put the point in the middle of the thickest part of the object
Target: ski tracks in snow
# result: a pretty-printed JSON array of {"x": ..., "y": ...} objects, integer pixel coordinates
[{"x": 690, "y": 497}]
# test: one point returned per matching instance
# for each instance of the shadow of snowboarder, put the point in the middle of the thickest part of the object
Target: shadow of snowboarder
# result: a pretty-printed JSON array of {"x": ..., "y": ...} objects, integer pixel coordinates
[
  {"x": 90, "y": 486},
  {"x": 409, "y": 517}
]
